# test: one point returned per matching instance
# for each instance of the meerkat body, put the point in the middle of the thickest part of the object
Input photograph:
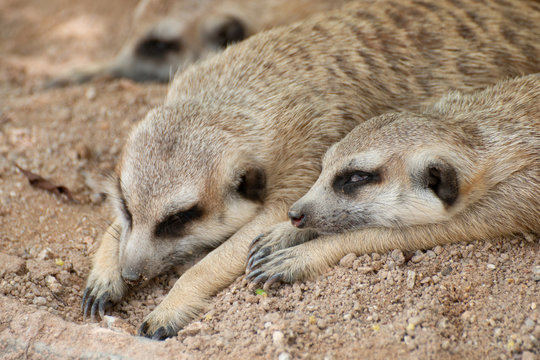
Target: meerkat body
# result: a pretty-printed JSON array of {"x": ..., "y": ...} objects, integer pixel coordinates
[
  {"x": 184, "y": 32},
  {"x": 466, "y": 169},
  {"x": 241, "y": 136}
]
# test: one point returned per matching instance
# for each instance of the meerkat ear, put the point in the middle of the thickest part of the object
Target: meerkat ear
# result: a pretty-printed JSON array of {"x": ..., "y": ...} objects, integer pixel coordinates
[
  {"x": 252, "y": 184},
  {"x": 441, "y": 178},
  {"x": 229, "y": 31}
]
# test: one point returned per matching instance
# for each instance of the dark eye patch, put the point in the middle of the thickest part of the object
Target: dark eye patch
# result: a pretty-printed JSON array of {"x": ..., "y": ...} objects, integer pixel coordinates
[
  {"x": 174, "y": 225},
  {"x": 157, "y": 48},
  {"x": 349, "y": 181}
]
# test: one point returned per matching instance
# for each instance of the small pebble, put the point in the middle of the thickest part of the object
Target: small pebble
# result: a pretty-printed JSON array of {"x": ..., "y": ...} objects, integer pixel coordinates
[
  {"x": 91, "y": 93},
  {"x": 45, "y": 254},
  {"x": 418, "y": 258},
  {"x": 284, "y": 356},
  {"x": 446, "y": 271},
  {"x": 491, "y": 266},
  {"x": 347, "y": 260},
  {"x": 536, "y": 272},
  {"x": 398, "y": 257},
  {"x": 411, "y": 278},
  {"x": 445, "y": 345},
  {"x": 321, "y": 324},
  {"x": 527, "y": 355},
  {"x": 39, "y": 300},
  {"x": 278, "y": 338}
]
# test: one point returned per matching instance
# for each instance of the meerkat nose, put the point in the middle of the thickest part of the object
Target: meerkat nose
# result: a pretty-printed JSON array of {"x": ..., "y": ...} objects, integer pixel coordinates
[
  {"x": 297, "y": 219},
  {"x": 131, "y": 277}
]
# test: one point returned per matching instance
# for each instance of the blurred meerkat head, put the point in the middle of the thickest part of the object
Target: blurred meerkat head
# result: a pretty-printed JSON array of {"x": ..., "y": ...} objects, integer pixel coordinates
[
  {"x": 391, "y": 171},
  {"x": 182, "y": 189}
]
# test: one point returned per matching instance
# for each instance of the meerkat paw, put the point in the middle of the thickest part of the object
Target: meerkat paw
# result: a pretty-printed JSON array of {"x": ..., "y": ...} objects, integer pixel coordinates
[
  {"x": 103, "y": 289},
  {"x": 285, "y": 265},
  {"x": 281, "y": 236},
  {"x": 164, "y": 322}
]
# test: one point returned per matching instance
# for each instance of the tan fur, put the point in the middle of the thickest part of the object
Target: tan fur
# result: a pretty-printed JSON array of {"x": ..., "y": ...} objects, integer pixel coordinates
[
  {"x": 492, "y": 141},
  {"x": 241, "y": 136},
  {"x": 193, "y": 28}
]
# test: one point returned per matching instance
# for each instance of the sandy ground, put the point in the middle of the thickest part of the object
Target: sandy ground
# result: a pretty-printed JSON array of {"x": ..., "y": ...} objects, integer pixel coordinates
[{"x": 478, "y": 301}]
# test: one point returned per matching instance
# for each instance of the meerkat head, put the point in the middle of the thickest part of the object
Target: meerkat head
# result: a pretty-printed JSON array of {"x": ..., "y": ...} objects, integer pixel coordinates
[
  {"x": 394, "y": 170},
  {"x": 170, "y": 45},
  {"x": 182, "y": 189}
]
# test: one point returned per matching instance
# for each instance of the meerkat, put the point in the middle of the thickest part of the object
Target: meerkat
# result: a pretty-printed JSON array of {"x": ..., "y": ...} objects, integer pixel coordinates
[
  {"x": 468, "y": 168},
  {"x": 240, "y": 137},
  {"x": 187, "y": 34}
]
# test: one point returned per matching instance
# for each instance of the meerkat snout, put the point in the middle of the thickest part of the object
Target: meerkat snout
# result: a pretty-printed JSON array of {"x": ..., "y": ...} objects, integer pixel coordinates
[
  {"x": 297, "y": 217},
  {"x": 131, "y": 276}
]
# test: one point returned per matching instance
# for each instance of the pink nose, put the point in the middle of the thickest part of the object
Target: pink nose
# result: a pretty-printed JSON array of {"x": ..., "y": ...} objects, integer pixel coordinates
[{"x": 298, "y": 220}]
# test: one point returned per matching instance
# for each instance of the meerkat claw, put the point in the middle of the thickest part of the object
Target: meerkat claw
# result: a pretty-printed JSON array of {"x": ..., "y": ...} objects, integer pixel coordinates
[
  {"x": 254, "y": 242},
  {"x": 160, "y": 334},
  {"x": 250, "y": 277},
  {"x": 87, "y": 306}
]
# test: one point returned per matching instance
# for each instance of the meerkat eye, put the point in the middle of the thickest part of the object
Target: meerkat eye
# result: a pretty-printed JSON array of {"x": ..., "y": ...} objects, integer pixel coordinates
[
  {"x": 156, "y": 48},
  {"x": 358, "y": 177},
  {"x": 348, "y": 182},
  {"x": 174, "y": 224}
]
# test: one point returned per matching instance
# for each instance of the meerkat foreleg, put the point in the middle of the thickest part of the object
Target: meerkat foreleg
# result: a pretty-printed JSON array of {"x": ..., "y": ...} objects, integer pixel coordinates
[
  {"x": 491, "y": 216},
  {"x": 192, "y": 292},
  {"x": 104, "y": 286}
]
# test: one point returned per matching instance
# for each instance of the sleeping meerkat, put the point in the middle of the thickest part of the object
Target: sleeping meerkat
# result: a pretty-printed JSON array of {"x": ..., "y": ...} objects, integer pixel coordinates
[
  {"x": 186, "y": 34},
  {"x": 241, "y": 136},
  {"x": 466, "y": 169}
]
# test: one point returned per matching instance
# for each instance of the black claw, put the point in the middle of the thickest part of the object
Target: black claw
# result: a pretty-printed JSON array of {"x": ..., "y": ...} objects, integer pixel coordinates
[
  {"x": 253, "y": 274},
  {"x": 87, "y": 306},
  {"x": 258, "y": 260},
  {"x": 160, "y": 334},
  {"x": 104, "y": 305},
  {"x": 260, "y": 278},
  {"x": 93, "y": 310},
  {"x": 255, "y": 241},
  {"x": 101, "y": 303},
  {"x": 85, "y": 294},
  {"x": 142, "y": 329},
  {"x": 273, "y": 279}
]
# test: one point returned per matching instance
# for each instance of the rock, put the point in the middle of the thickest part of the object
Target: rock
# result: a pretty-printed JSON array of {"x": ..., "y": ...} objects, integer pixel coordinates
[
  {"x": 11, "y": 265},
  {"x": 39, "y": 300},
  {"x": 118, "y": 325},
  {"x": 446, "y": 271},
  {"x": 398, "y": 257},
  {"x": 278, "y": 338},
  {"x": 418, "y": 257},
  {"x": 527, "y": 355},
  {"x": 91, "y": 93},
  {"x": 192, "y": 342},
  {"x": 491, "y": 266},
  {"x": 193, "y": 328},
  {"x": 321, "y": 324},
  {"x": 39, "y": 270},
  {"x": 53, "y": 284},
  {"x": 411, "y": 278},
  {"x": 347, "y": 260},
  {"x": 536, "y": 272},
  {"x": 364, "y": 269},
  {"x": 46, "y": 254},
  {"x": 284, "y": 356}
]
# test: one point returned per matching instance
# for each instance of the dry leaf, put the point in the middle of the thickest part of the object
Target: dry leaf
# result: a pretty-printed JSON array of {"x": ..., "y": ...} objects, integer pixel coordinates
[{"x": 41, "y": 183}]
